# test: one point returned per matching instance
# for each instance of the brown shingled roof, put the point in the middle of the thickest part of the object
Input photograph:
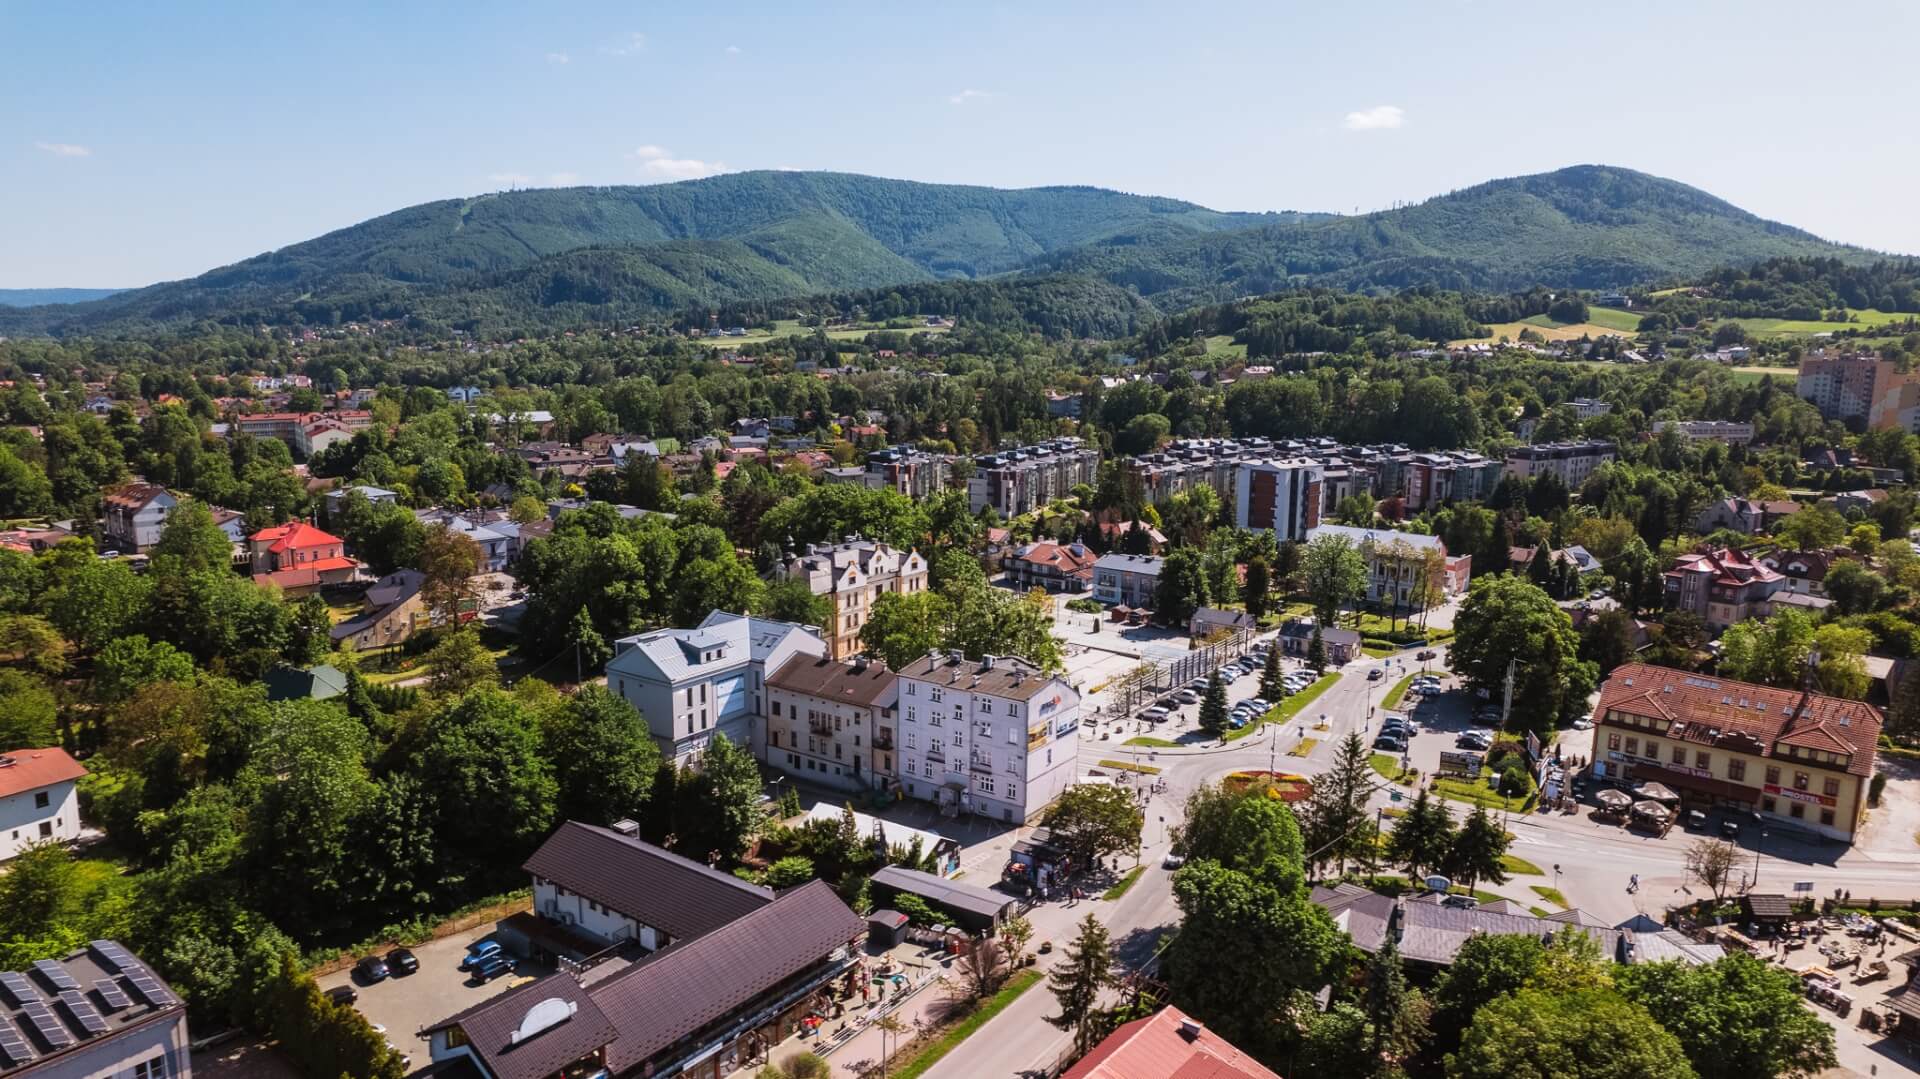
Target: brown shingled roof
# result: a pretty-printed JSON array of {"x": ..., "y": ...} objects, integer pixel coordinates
[
  {"x": 490, "y": 1027},
  {"x": 1767, "y": 714},
  {"x": 644, "y": 882},
  {"x": 828, "y": 679},
  {"x": 1010, "y": 676}
]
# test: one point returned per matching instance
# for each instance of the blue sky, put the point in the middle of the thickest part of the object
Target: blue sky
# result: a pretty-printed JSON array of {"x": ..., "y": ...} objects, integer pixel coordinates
[{"x": 144, "y": 142}]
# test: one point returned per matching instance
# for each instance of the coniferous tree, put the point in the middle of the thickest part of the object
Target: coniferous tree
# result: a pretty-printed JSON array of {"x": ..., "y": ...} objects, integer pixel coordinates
[
  {"x": 1317, "y": 652},
  {"x": 1421, "y": 839},
  {"x": 1213, "y": 706},
  {"x": 1475, "y": 853},
  {"x": 1272, "y": 684},
  {"x": 1337, "y": 826},
  {"x": 1077, "y": 983}
]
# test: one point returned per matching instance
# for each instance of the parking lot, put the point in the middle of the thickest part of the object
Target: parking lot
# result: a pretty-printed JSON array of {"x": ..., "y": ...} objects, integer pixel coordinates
[
  {"x": 1180, "y": 721},
  {"x": 440, "y": 988}
]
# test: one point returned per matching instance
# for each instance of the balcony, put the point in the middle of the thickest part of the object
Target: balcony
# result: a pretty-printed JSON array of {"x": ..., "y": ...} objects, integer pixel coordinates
[
  {"x": 821, "y": 726},
  {"x": 883, "y": 740},
  {"x": 981, "y": 764},
  {"x": 937, "y": 755}
]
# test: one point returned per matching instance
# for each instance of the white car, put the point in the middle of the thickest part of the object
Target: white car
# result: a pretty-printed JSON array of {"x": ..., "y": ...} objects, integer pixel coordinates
[{"x": 1583, "y": 724}]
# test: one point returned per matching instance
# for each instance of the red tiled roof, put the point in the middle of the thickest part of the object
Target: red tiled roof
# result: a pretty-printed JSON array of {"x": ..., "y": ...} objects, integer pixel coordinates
[
  {"x": 1714, "y": 709},
  {"x": 294, "y": 535},
  {"x": 1060, "y": 556},
  {"x": 33, "y": 769},
  {"x": 134, "y": 496},
  {"x": 1156, "y": 1046},
  {"x": 1729, "y": 566}
]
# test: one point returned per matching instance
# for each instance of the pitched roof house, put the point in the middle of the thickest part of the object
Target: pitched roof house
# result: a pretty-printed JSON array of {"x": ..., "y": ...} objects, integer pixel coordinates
[
  {"x": 299, "y": 558},
  {"x": 37, "y": 798},
  {"x": 1167, "y": 1043}
]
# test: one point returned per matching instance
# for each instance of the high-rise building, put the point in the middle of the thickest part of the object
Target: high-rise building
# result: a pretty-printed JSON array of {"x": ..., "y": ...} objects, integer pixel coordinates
[
  {"x": 1281, "y": 496},
  {"x": 1860, "y": 388},
  {"x": 1020, "y": 481}
]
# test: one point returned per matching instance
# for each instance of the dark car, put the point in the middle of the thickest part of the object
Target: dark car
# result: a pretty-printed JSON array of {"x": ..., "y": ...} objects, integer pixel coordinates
[
  {"x": 401, "y": 961},
  {"x": 1730, "y": 829},
  {"x": 343, "y": 994},
  {"x": 492, "y": 967},
  {"x": 478, "y": 952},
  {"x": 371, "y": 969}
]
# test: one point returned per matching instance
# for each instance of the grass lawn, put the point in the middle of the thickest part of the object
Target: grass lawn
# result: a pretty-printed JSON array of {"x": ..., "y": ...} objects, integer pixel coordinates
[
  {"x": 1125, "y": 882},
  {"x": 1287, "y": 709},
  {"x": 1514, "y": 864},
  {"x": 1155, "y": 743},
  {"x": 1614, "y": 319},
  {"x": 1125, "y": 766},
  {"x": 1377, "y": 653},
  {"x": 1399, "y": 690},
  {"x": 1547, "y": 330},
  {"x": 959, "y": 1032},
  {"x": 1863, "y": 319},
  {"x": 788, "y": 327},
  {"x": 1305, "y": 747},
  {"x": 1387, "y": 765},
  {"x": 1394, "y": 885},
  {"x": 1474, "y": 792},
  {"x": 1550, "y": 894},
  {"x": 1222, "y": 345}
]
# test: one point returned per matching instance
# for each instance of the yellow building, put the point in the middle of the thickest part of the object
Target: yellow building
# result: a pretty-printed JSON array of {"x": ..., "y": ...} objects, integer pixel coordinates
[{"x": 1801, "y": 760}]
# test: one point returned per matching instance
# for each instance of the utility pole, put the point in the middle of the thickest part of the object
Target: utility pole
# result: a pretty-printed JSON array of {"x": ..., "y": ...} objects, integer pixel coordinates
[{"x": 1506, "y": 708}]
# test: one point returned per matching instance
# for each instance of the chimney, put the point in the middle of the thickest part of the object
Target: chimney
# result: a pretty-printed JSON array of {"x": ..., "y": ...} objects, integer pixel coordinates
[
  {"x": 986, "y": 662},
  {"x": 626, "y": 827},
  {"x": 1190, "y": 1028}
]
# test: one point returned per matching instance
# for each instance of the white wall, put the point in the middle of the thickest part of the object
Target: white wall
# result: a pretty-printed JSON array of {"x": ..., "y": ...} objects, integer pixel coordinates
[
  {"x": 20, "y": 819},
  {"x": 571, "y": 909}
]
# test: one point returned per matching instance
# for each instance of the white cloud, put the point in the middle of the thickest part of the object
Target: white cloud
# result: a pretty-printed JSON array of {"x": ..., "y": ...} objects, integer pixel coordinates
[
  {"x": 510, "y": 179},
  {"x": 628, "y": 46},
  {"x": 559, "y": 58},
  {"x": 562, "y": 179},
  {"x": 1378, "y": 118},
  {"x": 965, "y": 96},
  {"x": 64, "y": 149},
  {"x": 733, "y": 50},
  {"x": 658, "y": 161}
]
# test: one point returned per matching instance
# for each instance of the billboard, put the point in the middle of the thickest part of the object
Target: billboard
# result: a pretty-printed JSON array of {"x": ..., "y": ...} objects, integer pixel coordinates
[
  {"x": 730, "y": 697},
  {"x": 1465, "y": 764}
]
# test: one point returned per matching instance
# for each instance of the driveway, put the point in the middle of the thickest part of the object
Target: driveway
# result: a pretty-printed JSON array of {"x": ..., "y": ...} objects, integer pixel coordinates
[{"x": 439, "y": 989}]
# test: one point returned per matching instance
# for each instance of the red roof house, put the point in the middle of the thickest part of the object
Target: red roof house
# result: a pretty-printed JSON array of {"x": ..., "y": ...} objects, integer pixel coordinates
[
  {"x": 1168, "y": 1044},
  {"x": 299, "y": 558}
]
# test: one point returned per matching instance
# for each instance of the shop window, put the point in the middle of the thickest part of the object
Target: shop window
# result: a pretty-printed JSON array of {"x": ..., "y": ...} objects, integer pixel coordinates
[
  {"x": 1826, "y": 817},
  {"x": 1796, "y": 809}
]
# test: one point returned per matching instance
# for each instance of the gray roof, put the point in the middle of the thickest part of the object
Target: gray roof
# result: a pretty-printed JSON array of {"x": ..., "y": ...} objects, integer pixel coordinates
[
  {"x": 952, "y": 894},
  {"x": 320, "y": 683},
  {"x": 1010, "y": 676},
  {"x": 491, "y": 1025},
  {"x": 1431, "y": 932},
  {"x": 673, "y": 654},
  {"x": 1361, "y": 536},
  {"x": 102, "y": 965},
  {"x": 1130, "y": 563},
  {"x": 644, "y": 882}
]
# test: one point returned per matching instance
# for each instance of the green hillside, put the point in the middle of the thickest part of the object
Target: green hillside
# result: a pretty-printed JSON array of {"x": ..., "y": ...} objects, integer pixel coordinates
[
  {"x": 34, "y": 297},
  {"x": 553, "y": 257}
]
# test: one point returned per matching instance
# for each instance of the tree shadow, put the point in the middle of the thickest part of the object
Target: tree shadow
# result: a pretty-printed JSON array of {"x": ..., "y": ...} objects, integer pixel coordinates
[{"x": 1135, "y": 948}]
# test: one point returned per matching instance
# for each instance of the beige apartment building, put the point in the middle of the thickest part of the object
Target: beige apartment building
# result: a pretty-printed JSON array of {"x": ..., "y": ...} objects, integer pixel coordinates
[
  {"x": 853, "y": 574},
  {"x": 831, "y": 723}
]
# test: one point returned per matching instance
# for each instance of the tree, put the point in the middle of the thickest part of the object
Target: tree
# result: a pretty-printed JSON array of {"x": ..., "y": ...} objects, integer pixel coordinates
[
  {"x": 1356, "y": 510},
  {"x": 1734, "y": 1017},
  {"x": 1213, "y": 706},
  {"x": 793, "y": 600},
  {"x": 1259, "y": 586},
  {"x": 902, "y": 628},
  {"x": 1181, "y": 588},
  {"x": 1607, "y": 640},
  {"x": 1540, "y": 1034},
  {"x": 1396, "y": 1015},
  {"x": 1475, "y": 854},
  {"x": 33, "y": 641},
  {"x": 1505, "y": 621},
  {"x": 1422, "y": 838},
  {"x": 1485, "y": 968},
  {"x": 29, "y": 721},
  {"x": 1078, "y": 981},
  {"x": 983, "y": 966},
  {"x": 1016, "y": 932},
  {"x": 1336, "y": 574},
  {"x": 1317, "y": 652},
  {"x": 1711, "y": 862},
  {"x": 1095, "y": 822},
  {"x": 1272, "y": 677},
  {"x": 604, "y": 757},
  {"x": 1772, "y": 651},
  {"x": 191, "y": 536},
  {"x": 309, "y": 632},
  {"x": 128, "y": 663},
  {"x": 1338, "y": 824},
  {"x": 480, "y": 755},
  {"x": 803, "y": 1065},
  {"x": 1854, "y": 588},
  {"x": 1812, "y": 528},
  {"x": 526, "y": 509},
  {"x": 460, "y": 663},
  {"x": 992, "y": 621},
  {"x": 721, "y": 802},
  {"x": 447, "y": 562}
]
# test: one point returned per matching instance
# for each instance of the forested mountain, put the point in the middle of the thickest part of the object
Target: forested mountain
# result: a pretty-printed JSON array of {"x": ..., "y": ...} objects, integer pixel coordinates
[
  {"x": 34, "y": 297},
  {"x": 572, "y": 256}
]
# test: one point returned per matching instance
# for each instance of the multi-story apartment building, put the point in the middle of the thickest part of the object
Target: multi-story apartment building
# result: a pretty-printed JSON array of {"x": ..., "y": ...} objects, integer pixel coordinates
[
  {"x": 1723, "y": 586},
  {"x": 1279, "y": 495},
  {"x": 1126, "y": 579},
  {"x": 912, "y": 472},
  {"x": 1800, "y": 760},
  {"x": 832, "y": 723},
  {"x": 38, "y": 803},
  {"x": 135, "y": 514},
  {"x": 1454, "y": 476},
  {"x": 1728, "y": 431},
  {"x": 852, "y": 575},
  {"x": 1022, "y": 480},
  {"x": 689, "y": 683},
  {"x": 992, "y": 737},
  {"x": 1395, "y": 561},
  {"x": 99, "y": 1012},
  {"x": 1187, "y": 463},
  {"x": 1864, "y": 389},
  {"x": 1571, "y": 461}
]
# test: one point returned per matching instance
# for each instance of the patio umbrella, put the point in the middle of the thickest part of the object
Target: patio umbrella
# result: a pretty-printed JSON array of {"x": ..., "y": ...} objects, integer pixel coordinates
[
  {"x": 1614, "y": 799},
  {"x": 1652, "y": 809},
  {"x": 1655, "y": 792}
]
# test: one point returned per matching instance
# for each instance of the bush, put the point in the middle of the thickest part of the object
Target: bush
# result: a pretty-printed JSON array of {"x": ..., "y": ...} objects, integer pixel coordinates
[
  {"x": 1085, "y": 606},
  {"x": 1875, "y": 788}
]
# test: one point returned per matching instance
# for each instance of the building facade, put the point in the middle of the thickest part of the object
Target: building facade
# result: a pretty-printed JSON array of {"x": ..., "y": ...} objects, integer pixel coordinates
[
  {"x": 98, "y": 1013},
  {"x": 1801, "y": 760},
  {"x": 1281, "y": 496},
  {"x": 689, "y": 683},
  {"x": 1055, "y": 567},
  {"x": 135, "y": 514},
  {"x": 852, "y": 575},
  {"x": 912, "y": 472},
  {"x": 832, "y": 723},
  {"x": 1126, "y": 579},
  {"x": 1728, "y": 431},
  {"x": 992, "y": 737},
  {"x": 1723, "y": 586},
  {"x": 299, "y": 558},
  {"x": 1396, "y": 562},
  {"x": 1022, "y": 480},
  {"x": 39, "y": 802},
  {"x": 1573, "y": 462},
  {"x": 1862, "y": 389}
]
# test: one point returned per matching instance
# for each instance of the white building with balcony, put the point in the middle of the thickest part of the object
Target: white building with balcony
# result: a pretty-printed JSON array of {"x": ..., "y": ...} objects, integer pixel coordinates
[{"x": 993, "y": 737}]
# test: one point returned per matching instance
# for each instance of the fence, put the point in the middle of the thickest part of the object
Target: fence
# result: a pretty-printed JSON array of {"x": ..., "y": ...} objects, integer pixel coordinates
[{"x": 1140, "y": 686}]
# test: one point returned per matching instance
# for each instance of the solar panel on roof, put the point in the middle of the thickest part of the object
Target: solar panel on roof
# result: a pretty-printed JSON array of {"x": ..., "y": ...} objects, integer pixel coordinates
[
  {"x": 149, "y": 989},
  {"x": 13, "y": 1045},
  {"x": 18, "y": 988},
  {"x": 83, "y": 1012},
  {"x": 48, "y": 1026},
  {"x": 111, "y": 955},
  {"x": 110, "y": 993},
  {"x": 54, "y": 974}
]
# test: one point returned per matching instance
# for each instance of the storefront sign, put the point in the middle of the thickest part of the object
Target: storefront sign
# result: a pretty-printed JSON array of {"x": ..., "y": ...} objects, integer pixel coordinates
[
  {"x": 1697, "y": 773},
  {"x": 1800, "y": 796}
]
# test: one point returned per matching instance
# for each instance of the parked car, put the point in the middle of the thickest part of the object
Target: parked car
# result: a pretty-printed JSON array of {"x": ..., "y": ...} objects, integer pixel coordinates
[
  {"x": 1390, "y": 743},
  {"x": 1187, "y": 696},
  {"x": 479, "y": 952},
  {"x": 492, "y": 967},
  {"x": 401, "y": 961},
  {"x": 371, "y": 969},
  {"x": 1154, "y": 715},
  {"x": 1173, "y": 861},
  {"x": 1473, "y": 740},
  {"x": 1583, "y": 724},
  {"x": 1730, "y": 828},
  {"x": 343, "y": 995}
]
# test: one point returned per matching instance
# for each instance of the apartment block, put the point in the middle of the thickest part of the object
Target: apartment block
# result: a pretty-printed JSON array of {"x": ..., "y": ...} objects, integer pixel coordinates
[
  {"x": 853, "y": 574},
  {"x": 1022, "y": 480},
  {"x": 1281, "y": 496},
  {"x": 689, "y": 683},
  {"x": 912, "y": 472},
  {"x": 992, "y": 737},
  {"x": 1728, "y": 431},
  {"x": 1862, "y": 389},
  {"x": 1571, "y": 461},
  {"x": 832, "y": 723}
]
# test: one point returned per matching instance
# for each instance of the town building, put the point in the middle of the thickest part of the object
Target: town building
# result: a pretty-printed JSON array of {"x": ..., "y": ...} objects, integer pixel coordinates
[
  {"x": 1167, "y": 1043},
  {"x": 1055, "y": 567},
  {"x": 1802, "y": 572},
  {"x": 1433, "y": 479},
  {"x": 1572, "y": 462},
  {"x": 1117, "y": 534},
  {"x": 1752, "y": 516},
  {"x": 135, "y": 514},
  {"x": 97, "y": 1013},
  {"x": 689, "y": 683},
  {"x": 496, "y": 547},
  {"x": 1396, "y": 561},
  {"x": 832, "y": 723},
  {"x": 291, "y": 427},
  {"x": 1296, "y": 639},
  {"x": 336, "y": 499},
  {"x": 1207, "y": 621},
  {"x": 299, "y": 558},
  {"x": 1280, "y": 495},
  {"x": 1587, "y": 408},
  {"x": 852, "y": 575},
  {"x": 1799, "y": 759},
  {"x": 1126, "y": 579},
  {"x": 38, "y": 799},
  {"x": 1728, "y": 431},
  {"x": 993, "y": 737},
  {"x": 1863, "y": 389},
  {"x": 1722, "y": 586},
  {"x": 667, "y": 967},
  {"x": 393, "y": 613},
  {"x": 1022, "y": 480},
  {"x": 912, "y": 472}
]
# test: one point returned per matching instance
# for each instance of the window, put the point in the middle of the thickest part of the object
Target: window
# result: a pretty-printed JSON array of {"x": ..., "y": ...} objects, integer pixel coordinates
[
  {"x": 1702, "y": 760},
  {"x": 1013, "y": 710},
  {"x": 151, "y": 1069},
  {"x": 933, "y": 746},
  {"x": 1833, "y": 788},
  {"x": 910, "y": 715},
  {"x": 933, "y": 719},
  {"x": 986, "y": 784},
  {"x": 1679, "y": 754},
  {"x": 1736, "y": 769},
  {"x": 913, "y": 689},
  {"x": 1013, "y": 735},
  {"x": 41, "y": 799},
  {"x": 912, "y": 737},
  {"x": 1010, "y": 790},
  {"x": 1769, "y": 805},
  {"x": 1796, "y": 809},
  {"x": 1613, "y": 742},
  {"x": 46, "y": 829},
  {"x": 1633, "y": 747},
  {"x": 1773, "y": 775},
  {"x": 986, "y": 706},
  {"x": 1826, "y": 816},
  {"x": 776, "y": 708},
  {"x": 936, "y": 694},
  {"x": 913, "y": 767},
  {"x": 1800, "y": 781}
]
